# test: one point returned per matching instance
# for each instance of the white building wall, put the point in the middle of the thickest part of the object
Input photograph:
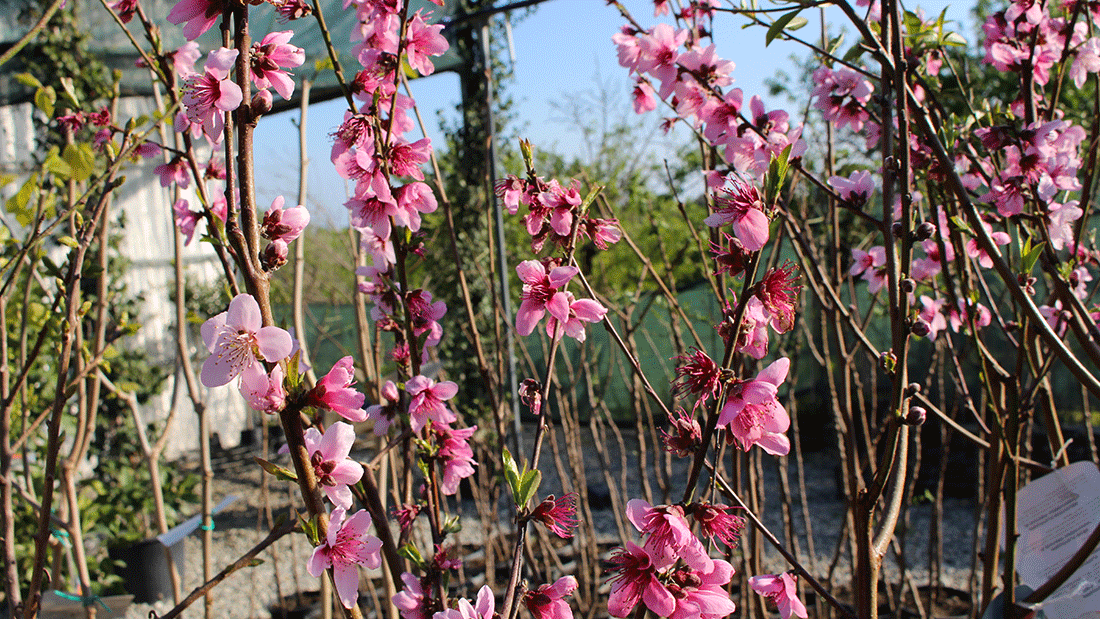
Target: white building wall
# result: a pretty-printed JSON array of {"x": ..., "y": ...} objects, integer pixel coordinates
[{"x": 148, "y": 244}]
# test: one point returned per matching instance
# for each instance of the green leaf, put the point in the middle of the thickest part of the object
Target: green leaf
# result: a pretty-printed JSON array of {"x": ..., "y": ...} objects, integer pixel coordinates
[
  {"x": 81, "y": 158},
  {"x": 777, "y": 173},
  {"x": 309, "y": 527},
  {"x": 28, "y": 80},
  {"x": 590, "y": 198},
  {"x": 276, "y": 470},
  {"x": 57, "y": 166},
  {"x": 322, "y": 65},
  {"x": 835, "y": 44},
  {"x": 18, "y": 204},
  {"x": 953, "y": 39},
  {"x": 68, "y": 241},
  {"x": 797, "y": 23},
  {"x": 70, "y": 92},
  {"x": 528, "y": 486},
  {"x": 511, "y": 475},
  {"x": 779, "y": 24},
  {"x": 411, "y": 553},
  {"x": 1031, "y": 257},
  {"x": 44, "y": 98},
  {"x": 854, "y": 53},
  {"x": 293, "y": 376}
]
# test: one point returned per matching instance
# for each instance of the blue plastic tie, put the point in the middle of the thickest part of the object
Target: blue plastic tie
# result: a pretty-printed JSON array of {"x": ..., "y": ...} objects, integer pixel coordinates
[{"x": 85, "y": 600}]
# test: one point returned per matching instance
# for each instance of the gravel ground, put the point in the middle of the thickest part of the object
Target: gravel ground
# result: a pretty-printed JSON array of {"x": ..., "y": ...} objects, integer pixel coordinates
[{"x": 248, "y": 593}]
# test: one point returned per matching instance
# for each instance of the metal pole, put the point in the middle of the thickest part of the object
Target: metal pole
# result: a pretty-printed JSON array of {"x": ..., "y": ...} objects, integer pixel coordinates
[{"x": 502, "y": 257}]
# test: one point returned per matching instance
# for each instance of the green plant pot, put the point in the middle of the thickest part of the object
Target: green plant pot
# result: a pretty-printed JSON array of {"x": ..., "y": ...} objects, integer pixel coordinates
[{"x": 144, "y": 572}]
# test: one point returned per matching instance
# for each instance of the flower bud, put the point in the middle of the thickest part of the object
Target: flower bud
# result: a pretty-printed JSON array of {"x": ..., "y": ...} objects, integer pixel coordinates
[
  {"x": 261, "y": 103},
  {"x": 920, "y": 328},
  {"x": 915, "y": 416},
  {"x": 925, "y": 231},
  {"x": 897, "y": 229},
  {"x": 908, "y": 285},
  {"x": 275, "y": 255},
  {"x": 912, "y": 389}
]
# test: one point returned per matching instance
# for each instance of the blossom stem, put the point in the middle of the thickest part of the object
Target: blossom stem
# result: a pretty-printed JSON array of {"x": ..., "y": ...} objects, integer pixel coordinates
[
  {"x": 727, "y": 358},
  {"x": 332, "y": 54}
]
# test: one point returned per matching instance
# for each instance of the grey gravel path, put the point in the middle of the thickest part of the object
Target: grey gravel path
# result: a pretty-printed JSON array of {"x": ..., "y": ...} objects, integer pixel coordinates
[{"x": 248, "y": 593}]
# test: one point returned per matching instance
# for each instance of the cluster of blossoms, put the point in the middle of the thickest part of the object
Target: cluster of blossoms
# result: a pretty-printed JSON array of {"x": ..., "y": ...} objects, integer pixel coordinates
[
  {"x": 555, "y": 214},
  {"x": 694, "y": 76},
  {"x": 671, "y": 574}
]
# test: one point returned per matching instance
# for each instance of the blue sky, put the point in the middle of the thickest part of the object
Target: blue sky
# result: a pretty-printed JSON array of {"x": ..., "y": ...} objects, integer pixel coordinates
[{"x": 563, "y": 50}]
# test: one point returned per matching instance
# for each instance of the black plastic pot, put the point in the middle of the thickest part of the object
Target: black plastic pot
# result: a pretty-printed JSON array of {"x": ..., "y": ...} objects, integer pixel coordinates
[{"x": 144, "y": 571}]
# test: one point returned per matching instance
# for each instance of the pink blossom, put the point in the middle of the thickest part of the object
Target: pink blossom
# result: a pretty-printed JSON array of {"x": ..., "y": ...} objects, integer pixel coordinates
[
  {"x": 422, "y": 42},
  {"x": 753, "y": 413},
  {"x": 412, "y": 200},
  {"x": 976, "y": 251},
  {"x": 547, "y": 601},
  {"x": 234, "y": 337},
  {"x": 685, "y": 435},
  {"x": 458, "y": 457},
  {"x": 124, "y": 8},
  {"x": 406, "y": 159},
  {"x": 980, "y": 313},
  {"x": 384, "y": 414},
  {"x": 931, "y": 312},
  {"x": 184, "y": 58},
  {"x": 717, "y": 521},
  {"x": 856, "y": 189},
  {"x": 701, "y": 594},
  {"x": 484, "y": 608},
  {"x": 603, "y": 232},
  {"x": 380, "y": 248},
  {"x": 347, "y": 546},
  {"x": 643, "y": 97},
  {"x": 722, "y": 116},
  {"x": 753, "y": 335},
  {"x": 559, "y": 515},
  {"x": 268, "y": 59},
  {"x": 186, "y": 219},
  {"x": 334, "y": 392},
  {"x": 668, "y": 534},
  {"x": 658, "y": 52},
  {"x": 263, "y": 392},
  {"x": 328, "y": 453},
  {"x": 285, "y": 225},
  {"x": 1060, "y": 218},
  {"x": 636, "y": 580},
  {"x": 742, "y": 207},
  {"x": 779, "y": 293},
  {"x": 200, "y": 15},
  {"x": 580, "y": 311},
  {"x": 1087, "y": 61},
  {"x": 289, "y": 10},
  {"x": 175, "y": 171},
  {"x": 410, "y": 600},
  {"x": 426, "y": 401},
  {"x": 707, "y": 66},
  {"x": 842, "y": 96},
  {"x": 781, "y": 589},
  {"x": 541, "y": 293},
  {"x": 697, "y": 374},
  {"x": 1056, "y": 317},
  {"x": 208, "y": 95}
]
